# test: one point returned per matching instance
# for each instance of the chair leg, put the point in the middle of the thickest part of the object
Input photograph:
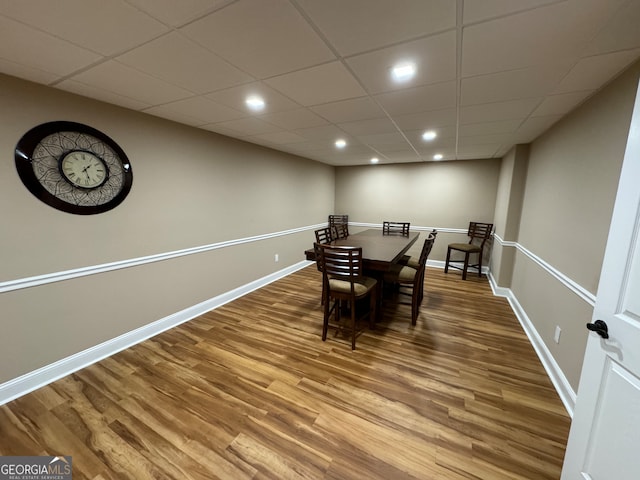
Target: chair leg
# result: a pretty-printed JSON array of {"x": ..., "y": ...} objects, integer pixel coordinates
[
  {"x": 480, "y": 264},
  {"x": 353, "y": 327},
  {"x": 373, "y": 304},
  {"x": 446, "y": 263},
  {"x": 466, "y": 265},
  {"x": 414, "y": 305},
  {"x": 325, "y": 321}
]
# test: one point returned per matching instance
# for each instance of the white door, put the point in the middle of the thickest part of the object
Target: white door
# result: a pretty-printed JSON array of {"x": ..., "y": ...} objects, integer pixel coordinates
[{"x": 604, "y": 442}]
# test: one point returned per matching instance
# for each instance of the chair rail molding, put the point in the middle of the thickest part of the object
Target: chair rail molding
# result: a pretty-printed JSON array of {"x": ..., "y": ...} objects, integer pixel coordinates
[
  {"x": 582, "y": 292},
  {"x": 44, "y": 279}
]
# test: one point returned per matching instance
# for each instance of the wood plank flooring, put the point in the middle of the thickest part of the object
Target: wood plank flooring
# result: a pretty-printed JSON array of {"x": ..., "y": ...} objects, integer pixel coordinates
[{"x": 249, "y": 391}]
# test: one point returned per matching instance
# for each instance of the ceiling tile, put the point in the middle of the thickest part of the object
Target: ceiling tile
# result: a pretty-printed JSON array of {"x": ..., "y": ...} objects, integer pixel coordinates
[
  {"x": 560, "y": 104},
  {"x": 493, "y": 112},
  {"x": 419, "y": 99},
  {"x": 279, "y": 138},
  {"x": 264, "y": 38},
  {"x": 26, "y": 72},
  {"x": 475, "y": 11},
  {"x": 373, "y": 126},
  {"x": 123, "y": 80},
  {"x": 362, "y": 25},
  {"x": 363, "y": 108},
  {"x": 294, "y": 119},
  {"x": 591, "y": 72},
  {"x": 246, "y": 127},
  {"x": 534, "y": 37},
  {"x": 325, "y": 134},
  {"x": 435, "y": 146},
  {"x": 104, "y": 27},
  {"x": 620, "y": 33},
  {"x": 526, "y": 82},
  {"x": 321, "y": 84},
  {"x": 488, "y": 128},
  {"x": 196, "y": 111},
  {"x": 394, "y": 140},
  {"x": 434, "y": 57},
  {"x": 102, "y": 95},
  {"x": 26, "y": 46},
  {"x": 534, "y": 127},
  {"x": 180, "y": 61},
  {"x": 178, "y": 13},
  {"x": 444, "y": 134},
  {"x": 235, "y": 98},
  {"x": 495, "y": 139},
  {"x": 469, "y": 152},
  {"x": 426, "y": 120}
]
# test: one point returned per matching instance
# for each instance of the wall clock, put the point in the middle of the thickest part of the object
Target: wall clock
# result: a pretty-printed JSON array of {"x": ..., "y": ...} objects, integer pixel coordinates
[{"x": 73, "y": 167}]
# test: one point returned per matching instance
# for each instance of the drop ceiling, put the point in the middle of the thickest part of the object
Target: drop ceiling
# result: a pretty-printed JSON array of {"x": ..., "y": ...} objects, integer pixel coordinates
[{"x": 489, "y": 73}]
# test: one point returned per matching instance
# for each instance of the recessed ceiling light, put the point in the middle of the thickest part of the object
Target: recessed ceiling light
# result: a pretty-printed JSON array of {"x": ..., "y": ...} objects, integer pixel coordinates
[
  {"x": 340, "y": 143},
  {"x": 374, "y": 160},
  {"x": 403, "y": 71},
  {"x": 437, "y": 156},
  {"x": 429, "y": 135},
  {"x": 254, "y": 102}
]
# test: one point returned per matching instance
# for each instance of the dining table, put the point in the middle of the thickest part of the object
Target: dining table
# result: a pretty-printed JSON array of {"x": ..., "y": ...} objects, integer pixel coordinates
[{"x": 379, "y": 252}]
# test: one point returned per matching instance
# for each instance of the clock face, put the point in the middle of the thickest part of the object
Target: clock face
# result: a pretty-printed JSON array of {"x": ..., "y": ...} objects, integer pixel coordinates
[
  {"x": 73, "y": 167},
  {"x": 83, "y": 169}
]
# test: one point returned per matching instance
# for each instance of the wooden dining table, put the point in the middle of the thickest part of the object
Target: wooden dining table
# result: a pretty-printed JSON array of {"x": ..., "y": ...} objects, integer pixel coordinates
[{"x": 379, "y": 252}]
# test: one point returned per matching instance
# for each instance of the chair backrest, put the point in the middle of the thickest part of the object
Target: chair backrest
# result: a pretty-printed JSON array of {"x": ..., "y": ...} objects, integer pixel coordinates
[
  {"x": 340, "y": 225},
  {"x": 340, "y": 262},
  {"x": 324, "y": 235},
  {"x": 334, "y": 219},
  {"x": 479, "y": 231},
  {"x": 396, "y": 228},
  {"x": 340, "y": 230},
  {"x": 426, "y": 249}
]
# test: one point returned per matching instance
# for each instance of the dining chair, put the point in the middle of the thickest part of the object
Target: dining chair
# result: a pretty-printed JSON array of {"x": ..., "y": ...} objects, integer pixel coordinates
[
  {"x": 478, "y": 234},
  {"x": 324, "y": 235},
  {"x": 413, "y": 260},
  {"x": 341, "y": 222},
  {"x": 343, "y": 280},
  {"x": 396, "y": 228},
  {"x": 412, "y": 278},
  {"x": 340, "y": 230}
]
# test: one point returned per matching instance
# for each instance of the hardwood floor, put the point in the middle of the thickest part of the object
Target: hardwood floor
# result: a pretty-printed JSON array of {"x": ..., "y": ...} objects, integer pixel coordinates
[{"x": 249, "y": 391}]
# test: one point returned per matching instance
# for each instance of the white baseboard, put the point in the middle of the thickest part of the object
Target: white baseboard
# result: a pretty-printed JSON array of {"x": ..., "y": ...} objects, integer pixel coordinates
[
  {"x": 557, "y": 377},
  {"x": 43, "y": 376}
]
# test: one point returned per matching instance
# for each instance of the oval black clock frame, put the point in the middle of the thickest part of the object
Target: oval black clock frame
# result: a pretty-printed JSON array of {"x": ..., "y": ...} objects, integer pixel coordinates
[{"x": 38, "y": 159}]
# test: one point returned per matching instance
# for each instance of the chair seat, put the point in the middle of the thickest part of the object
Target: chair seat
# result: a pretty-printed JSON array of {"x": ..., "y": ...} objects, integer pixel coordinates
[
  {"x": 410, "y": 261},
  {"x": 464, "y": 247},
  {"x": 361, "y": 287},
  {"x": 401, "y": 274}
]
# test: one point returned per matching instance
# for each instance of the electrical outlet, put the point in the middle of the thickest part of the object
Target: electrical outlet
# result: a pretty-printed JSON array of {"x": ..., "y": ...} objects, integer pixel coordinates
[
  {"x": 556, "y": 335},
  {"x": 276, "y": 258}
]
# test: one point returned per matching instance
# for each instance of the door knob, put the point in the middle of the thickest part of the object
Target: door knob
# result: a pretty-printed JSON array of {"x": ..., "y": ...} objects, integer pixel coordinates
[{"x": 599, "y": 327}]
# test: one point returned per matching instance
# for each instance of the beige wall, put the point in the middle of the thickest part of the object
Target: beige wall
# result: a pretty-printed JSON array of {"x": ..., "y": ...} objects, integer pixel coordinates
[
  {"x": 511, "y": 185},
  {"x": 191, "y": 188},
  {"x": 570, "y": 190},
  {"x": 442, "y": 195}
]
